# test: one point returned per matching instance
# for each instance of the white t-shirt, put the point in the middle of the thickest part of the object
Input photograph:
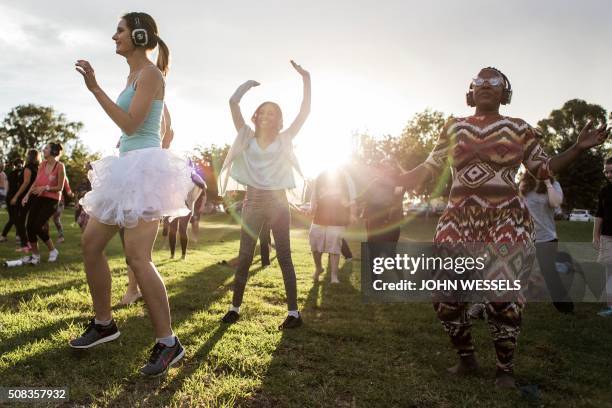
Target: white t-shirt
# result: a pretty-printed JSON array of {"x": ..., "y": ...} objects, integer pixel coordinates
[
  {"x": 267, "y": 169},
  {"x": 543, "y": 214}
]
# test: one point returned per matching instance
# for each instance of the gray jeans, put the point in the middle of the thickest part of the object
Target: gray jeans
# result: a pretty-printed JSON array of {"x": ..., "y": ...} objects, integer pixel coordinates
[{"x": 261, "y": 206}]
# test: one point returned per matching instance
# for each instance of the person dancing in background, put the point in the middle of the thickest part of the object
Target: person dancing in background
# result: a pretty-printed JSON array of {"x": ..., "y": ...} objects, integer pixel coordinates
[
  {"x": 332, "y": 204},
  {"x": 13, "y": 187},
  {"x": 134, "y": 191},
  {"x": 263, "y": 160},
  {"x": 26, "y": 179},
  {"x": 3, "y": 182},
  {"x": 542, "y": 197},
  {"x": 602, "y": 234},
  {"x": 485, "y": 151},
  {"x": 47, "y": 189}
]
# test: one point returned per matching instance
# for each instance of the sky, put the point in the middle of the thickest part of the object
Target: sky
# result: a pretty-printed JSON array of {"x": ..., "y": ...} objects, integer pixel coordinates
[{"x": 373, "y": 64}]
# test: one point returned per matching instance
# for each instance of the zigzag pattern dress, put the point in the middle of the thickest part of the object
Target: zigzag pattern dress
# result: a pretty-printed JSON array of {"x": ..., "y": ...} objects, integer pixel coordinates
[{"x": 484, "y": 206}]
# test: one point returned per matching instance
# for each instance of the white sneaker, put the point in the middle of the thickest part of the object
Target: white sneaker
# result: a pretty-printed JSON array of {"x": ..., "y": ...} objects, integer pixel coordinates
[
  {"x": 26, "y": 259},
  {"x": 34, "y": 259},
  {"x": 53, "y": 255}
]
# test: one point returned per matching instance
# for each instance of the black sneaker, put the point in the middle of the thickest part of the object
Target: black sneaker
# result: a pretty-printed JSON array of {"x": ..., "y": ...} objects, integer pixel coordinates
[
  {"x": 291, "y": 322},
  {"x": 162, "y": 358},
  {"x": 96, "y": 334},
  {"x": 230, "y": 317}
]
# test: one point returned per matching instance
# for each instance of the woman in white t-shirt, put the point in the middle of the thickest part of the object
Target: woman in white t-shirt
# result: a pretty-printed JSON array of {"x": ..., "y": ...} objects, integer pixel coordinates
[
  {"x": 543, "y": 198},
  {"x": 263, "y": 161}
]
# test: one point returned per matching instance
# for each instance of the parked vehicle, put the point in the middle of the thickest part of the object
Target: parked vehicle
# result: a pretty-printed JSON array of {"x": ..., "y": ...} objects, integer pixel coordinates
[
  {"x": 580, "y": 215},
  {"x": 561, "y": 215}
]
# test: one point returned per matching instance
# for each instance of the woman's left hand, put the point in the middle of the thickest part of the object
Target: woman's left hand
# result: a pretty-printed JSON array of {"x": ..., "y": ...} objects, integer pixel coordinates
[
  {"x": 299, "y": 69},
  {"x": 590, "y": 136},
  {"x": 37, "y": 190}
]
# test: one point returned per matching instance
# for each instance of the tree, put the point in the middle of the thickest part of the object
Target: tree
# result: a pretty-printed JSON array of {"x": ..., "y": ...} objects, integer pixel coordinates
[
  {"x": 410, "y": 149},
  {"x": 582, "y": 181},
  {"x": 32, "y": 126},
  {"x": 76, "y": 163}
]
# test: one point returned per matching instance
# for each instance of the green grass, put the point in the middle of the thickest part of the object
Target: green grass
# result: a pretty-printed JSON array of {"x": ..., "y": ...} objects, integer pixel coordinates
[{"x": 348, "y": 353}]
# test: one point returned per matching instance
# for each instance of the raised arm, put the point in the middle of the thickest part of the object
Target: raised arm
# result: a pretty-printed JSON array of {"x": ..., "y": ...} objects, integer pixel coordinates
[
  {"x": 149, "y": 83},
  {"x": 297, "y": 123},
  {"x": 588, "y": 137},
  {"x": 234, "y": 102},
  {"x": 166, "y": 129}
]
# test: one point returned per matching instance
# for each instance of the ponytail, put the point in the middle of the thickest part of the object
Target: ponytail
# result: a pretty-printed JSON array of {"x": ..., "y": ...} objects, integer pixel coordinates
[{"x": 163, "y": 57}]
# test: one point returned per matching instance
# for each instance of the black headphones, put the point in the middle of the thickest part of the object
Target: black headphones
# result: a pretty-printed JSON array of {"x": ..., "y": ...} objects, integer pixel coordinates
[
  {"x": 506, "y": 93},
  {"x": 140, "y": 36}
]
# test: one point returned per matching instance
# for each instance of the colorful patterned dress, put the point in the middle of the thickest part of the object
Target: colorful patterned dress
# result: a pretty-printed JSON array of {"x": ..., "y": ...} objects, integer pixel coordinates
[{"x": 484, "y": 206}]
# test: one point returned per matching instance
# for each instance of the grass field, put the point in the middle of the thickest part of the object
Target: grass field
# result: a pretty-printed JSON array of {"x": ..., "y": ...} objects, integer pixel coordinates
[{"x": 347, "y": 354}]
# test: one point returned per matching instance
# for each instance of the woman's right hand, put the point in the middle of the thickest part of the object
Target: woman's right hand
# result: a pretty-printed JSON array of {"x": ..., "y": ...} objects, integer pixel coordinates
[
  {"x": 25, "y": 200},
  {"x": 84, "y": 68},
  {"x": 242, "y": 89},
  {"x": 14, "y": 200},
  {"x": 596, "y": 243}
]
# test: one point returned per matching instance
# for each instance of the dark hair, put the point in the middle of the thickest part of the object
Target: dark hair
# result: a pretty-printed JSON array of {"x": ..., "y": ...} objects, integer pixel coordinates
[
  {"x": 56, "y": 148},
  {"x": 278, "y": 111},
  {"x": 608, "y": 161},
  {"x": 32, "y": 157},
  {"x": 148, "y": 23},
  {"x": 18, "y": 162},
  {"x": 528, "y": 183}
]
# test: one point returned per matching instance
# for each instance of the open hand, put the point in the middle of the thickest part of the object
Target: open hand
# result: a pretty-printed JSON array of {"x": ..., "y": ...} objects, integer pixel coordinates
[
  {"x": 590, "y": 136},
  {"x": 84, "y": 68},
  {"x": 299, "y": 69}
]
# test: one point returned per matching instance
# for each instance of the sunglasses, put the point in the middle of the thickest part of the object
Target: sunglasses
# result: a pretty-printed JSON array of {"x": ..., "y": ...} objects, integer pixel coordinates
[{"x": 495, "y": 81}]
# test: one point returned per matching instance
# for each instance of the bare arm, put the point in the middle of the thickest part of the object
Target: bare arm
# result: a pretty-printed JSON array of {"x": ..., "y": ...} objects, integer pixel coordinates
[
  {"x": 415, "y": 178},
  {"x": 555, "y": 198},
  {"x": 149, "y": 83},
  {"x": 234, "y": 103},
  {"x": 588, "y": 137},
  {"x": 27, "y": 175},
  {"x": 61, "y": 179},
  {"x": 297, "y": 123},
  {"x": 597, "y": 232},
  {"x": 167, "y": 132}
]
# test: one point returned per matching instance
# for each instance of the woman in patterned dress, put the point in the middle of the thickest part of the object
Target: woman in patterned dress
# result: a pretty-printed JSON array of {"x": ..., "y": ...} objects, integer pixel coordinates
[{"x": 484, "y": 152}]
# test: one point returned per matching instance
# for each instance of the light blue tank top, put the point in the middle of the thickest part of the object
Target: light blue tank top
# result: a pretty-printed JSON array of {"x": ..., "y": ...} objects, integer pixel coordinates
[{"x": 148, "y": 134}]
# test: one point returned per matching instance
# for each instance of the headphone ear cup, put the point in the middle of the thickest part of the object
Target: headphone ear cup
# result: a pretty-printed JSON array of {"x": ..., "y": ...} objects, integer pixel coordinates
[
  {"x": 140, "y": 37},
  {"x": 507, "y": 97},
  {"x": 469, "y": 98}
]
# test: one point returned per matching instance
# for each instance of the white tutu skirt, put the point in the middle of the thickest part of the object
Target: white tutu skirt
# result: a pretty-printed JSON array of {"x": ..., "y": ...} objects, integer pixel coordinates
[{"x": 145, "y": 184}]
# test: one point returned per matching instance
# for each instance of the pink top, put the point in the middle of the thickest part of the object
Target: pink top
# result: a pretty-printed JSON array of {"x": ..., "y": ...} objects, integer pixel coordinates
[{"x": 44, "y": 179}]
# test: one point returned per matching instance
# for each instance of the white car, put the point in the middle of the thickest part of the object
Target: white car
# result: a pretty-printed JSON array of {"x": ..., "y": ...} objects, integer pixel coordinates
[{"x": 580, "y": 215}]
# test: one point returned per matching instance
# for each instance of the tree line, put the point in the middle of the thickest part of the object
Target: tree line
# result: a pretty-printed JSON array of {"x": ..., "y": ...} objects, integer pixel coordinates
[{"x": 32, "y": 126}]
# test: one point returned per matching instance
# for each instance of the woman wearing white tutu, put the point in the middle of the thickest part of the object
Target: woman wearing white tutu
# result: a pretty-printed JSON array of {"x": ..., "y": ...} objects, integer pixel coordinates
[{"x": 134, "y": 191}]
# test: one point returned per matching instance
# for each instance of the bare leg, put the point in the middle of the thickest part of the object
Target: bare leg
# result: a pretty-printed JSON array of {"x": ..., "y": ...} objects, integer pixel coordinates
[
  {"x": 334, "y": 260},
  {"x": 138, "y": 246},
  {"x": 94, "y": 241},
  {"x": 132, "y": 293},
  {"x": 318, "y": 267},
  {"x": 183, "y": 223}
]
